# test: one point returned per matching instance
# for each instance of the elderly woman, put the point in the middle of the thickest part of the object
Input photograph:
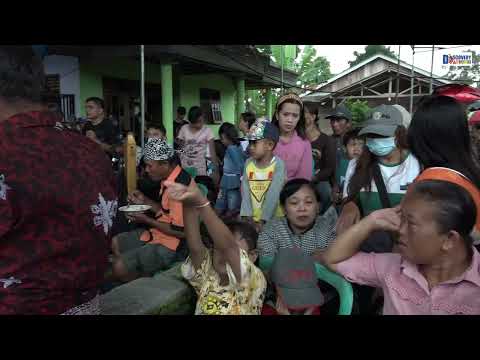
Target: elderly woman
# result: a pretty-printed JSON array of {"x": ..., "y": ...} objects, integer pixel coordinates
[
  {"x": 436, "y": 270},
  {"x": 302, "y": 227},
  {"x": 439, "y": 137}
]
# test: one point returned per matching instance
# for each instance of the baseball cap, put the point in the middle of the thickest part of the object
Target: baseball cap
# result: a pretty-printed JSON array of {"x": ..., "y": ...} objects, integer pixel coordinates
[
  {"x": 341, "y": 111},
  {"x": 295, "y": 277},
  {"x": 406, "y": 117},
  {"x": 263, "y": 129},
  {"x": 382, "y": 120}
]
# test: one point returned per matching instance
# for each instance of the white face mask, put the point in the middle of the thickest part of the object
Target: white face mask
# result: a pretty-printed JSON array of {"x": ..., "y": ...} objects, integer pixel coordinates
[{"x": 381, "y": 146}]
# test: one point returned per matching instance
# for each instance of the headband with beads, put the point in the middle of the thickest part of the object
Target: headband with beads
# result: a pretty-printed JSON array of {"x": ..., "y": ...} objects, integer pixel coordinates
[{"x": 287, "y": 97}]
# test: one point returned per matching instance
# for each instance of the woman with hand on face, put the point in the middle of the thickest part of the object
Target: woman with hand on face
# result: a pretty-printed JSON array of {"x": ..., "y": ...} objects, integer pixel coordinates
[
  {"x": 439, "y": 137},
  {"x": 436, "y": 271},
  {"x": 377, "y": 180}
]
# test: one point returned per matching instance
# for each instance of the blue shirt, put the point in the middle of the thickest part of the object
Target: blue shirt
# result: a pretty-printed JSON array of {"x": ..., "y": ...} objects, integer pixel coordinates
[{"x": 233, "y": 164}]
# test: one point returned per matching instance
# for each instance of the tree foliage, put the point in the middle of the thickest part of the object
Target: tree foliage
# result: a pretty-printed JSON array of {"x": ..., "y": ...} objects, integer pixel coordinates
[
  {"x": 313, "y": 70},
  {"x": 359, "y": 110},
  {"x": 371, "y": 50}
]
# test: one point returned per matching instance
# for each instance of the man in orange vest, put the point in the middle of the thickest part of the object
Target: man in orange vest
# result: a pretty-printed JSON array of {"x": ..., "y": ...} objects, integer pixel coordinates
[{"x": 144, "y": 252}]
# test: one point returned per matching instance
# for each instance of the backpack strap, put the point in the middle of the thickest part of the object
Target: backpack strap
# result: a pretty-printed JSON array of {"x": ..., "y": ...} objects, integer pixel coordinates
[{"x": 382, "y": 189}]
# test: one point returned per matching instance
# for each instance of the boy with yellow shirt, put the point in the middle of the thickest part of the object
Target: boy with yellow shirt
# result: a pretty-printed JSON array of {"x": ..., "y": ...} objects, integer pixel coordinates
[{"x": 264, "y": 176}]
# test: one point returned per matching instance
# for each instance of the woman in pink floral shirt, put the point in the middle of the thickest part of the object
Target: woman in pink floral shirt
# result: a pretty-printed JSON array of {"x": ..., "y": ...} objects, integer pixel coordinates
[{"x": 437, "y": 270}]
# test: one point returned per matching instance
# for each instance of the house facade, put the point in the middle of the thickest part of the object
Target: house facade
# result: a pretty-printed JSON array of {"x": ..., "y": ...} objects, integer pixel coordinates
[
  {"x": 377, "y": 80},
  {"x": 215, "y": 77}
]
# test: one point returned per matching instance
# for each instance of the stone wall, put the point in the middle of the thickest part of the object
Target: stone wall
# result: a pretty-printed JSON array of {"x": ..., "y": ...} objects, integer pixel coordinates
[{"x": 166, "y": 293}]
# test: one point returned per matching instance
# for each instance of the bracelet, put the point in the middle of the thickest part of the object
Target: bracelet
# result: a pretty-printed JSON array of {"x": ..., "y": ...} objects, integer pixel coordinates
[{"x": 203, "y": 205}]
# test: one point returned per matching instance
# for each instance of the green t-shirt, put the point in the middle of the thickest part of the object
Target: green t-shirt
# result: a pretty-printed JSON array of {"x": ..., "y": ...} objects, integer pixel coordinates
[
  {"x": 341, "y": 171},
  {"x": 396, "y": 178}
]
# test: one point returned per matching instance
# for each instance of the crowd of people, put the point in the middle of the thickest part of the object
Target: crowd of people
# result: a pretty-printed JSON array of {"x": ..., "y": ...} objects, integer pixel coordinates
[{"x": 393, "y": 206}]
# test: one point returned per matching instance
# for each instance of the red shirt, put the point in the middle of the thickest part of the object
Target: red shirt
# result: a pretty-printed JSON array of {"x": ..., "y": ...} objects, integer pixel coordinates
[{"x": 57, "y": 202}]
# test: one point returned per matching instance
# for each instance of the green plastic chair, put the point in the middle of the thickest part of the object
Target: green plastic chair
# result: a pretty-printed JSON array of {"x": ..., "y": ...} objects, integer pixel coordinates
[{"x": 343, "y": 287}]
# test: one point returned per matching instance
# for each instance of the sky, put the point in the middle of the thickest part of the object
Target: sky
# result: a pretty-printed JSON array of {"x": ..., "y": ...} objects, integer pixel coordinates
[{"x": 339, "y": 55}]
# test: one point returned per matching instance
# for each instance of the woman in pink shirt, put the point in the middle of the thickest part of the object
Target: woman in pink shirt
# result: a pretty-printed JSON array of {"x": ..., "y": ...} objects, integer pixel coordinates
[
  {"x": 293, "y": 148},
  {"x": 437, "y": 270}
]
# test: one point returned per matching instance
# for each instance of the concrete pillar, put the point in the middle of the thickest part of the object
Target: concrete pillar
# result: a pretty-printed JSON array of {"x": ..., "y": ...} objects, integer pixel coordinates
[
  {"x": 167, "y": 100},
  {"x": 240, "y": 86},
  {"x": 253, "y": 104},
  {"x": 269, "y": 104}
]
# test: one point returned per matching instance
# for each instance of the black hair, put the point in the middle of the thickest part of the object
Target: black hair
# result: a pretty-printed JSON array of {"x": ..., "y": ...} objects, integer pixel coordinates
[
  {"x": 158, "y": 127},
  {"x": 273, "y": 142},
  {"x": 97, "y": 101},
  {"x": 220, "y": 149},
  {"x": 194, "y": 114},
  {"x": 246, "y": 230},
  {"x": 181, "y": 110},
  {"x": 292, "y": 186},
  {"x": 21, "y": 74},
  {"x": 300, "y": 128},
  {"x": 230, "y": 132},
  {"x": 438, "y": 136},
  {"x": 351, "y": 135},
  {"x": 454, "y": 207},
  {"x": 312, "y": 109},
  {"x": 249, "y": 117}
]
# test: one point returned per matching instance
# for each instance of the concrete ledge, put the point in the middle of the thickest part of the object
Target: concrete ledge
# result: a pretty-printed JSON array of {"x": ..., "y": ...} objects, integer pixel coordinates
[{"x": 163, "y": 294}]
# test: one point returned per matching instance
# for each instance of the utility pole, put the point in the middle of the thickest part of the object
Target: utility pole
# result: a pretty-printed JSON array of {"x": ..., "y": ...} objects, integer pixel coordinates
[
  {"x": 431, "y": 71},
  {"x": 142, "y": 95},
  {"x": 282, "y": 57},
  {"x": 398, "y": 75},
  {"x": 412, "y": 80}
]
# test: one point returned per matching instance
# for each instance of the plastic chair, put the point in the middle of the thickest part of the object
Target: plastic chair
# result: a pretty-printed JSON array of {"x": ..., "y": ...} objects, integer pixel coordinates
[{"x": 343, "y": 287}]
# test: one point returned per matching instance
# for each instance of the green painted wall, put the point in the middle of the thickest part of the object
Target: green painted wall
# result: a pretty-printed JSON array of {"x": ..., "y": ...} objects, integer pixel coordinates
[
  {"x": 90, "y": 85},
  {"x": 91, "y": 76},
  {"x": 190, "y": 94}
]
